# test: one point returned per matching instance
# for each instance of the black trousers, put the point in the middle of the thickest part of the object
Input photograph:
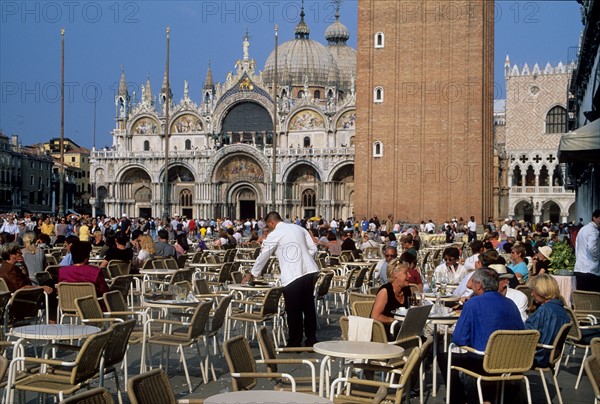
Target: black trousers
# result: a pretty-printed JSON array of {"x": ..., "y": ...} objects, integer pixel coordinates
[
  {"x": 472, "y": 236},
  {"x": 300, "y": 310},
  {"x": 588, "y": 282}
]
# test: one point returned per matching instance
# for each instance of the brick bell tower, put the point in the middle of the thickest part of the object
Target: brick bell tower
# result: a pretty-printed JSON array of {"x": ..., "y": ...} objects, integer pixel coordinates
[{"x": 424, "y": 132}]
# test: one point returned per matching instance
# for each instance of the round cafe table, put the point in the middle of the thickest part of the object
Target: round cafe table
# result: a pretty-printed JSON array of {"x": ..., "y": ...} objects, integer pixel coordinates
[
  {"x": 353, "y": 350},
  {"x": 265, "y": 396}
]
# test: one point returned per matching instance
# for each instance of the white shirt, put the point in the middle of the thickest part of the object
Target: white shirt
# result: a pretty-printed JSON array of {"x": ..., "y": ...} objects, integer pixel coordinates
[
  {"x": 429, "y": 227},
  {"x": 333, "y": 224},
  {"x": 238, "y": 238},
  {"x": 506, "y": 229},
  {"x": 472, "y": 226},
  {"x": 453, "y": 276},
  {"x": 586, "y": 250},
  {"x": 462, "y": 290},
  {"x": 293, "y": 247},
  {"x": 470, "y": 262},
  {"x": 520, "y": 300}
]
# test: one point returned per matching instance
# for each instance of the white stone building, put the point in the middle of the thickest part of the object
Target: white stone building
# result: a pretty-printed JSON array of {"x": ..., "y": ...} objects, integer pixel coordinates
[
  {"x": 534, "y": 119},
  {"x": 220, "y": 147}
]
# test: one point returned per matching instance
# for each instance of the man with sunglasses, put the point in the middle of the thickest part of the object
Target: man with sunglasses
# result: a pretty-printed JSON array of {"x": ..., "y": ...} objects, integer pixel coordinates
[
  {"x": 389, "y": 254},
  {"x": 451, "y": 266}
]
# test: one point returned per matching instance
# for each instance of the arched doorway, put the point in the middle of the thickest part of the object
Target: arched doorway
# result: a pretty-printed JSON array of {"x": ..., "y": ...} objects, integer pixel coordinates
[
  {"x": 343, "y": 192},
  {"x": 181, "y": 183},
  {"x": 136, "y": 185},
  {"x": 550, "y": 212},
  {"x": 101, "y": 194},
  {"x": 245, "y": 199},
  {"x": 524, "y": 210},
  {"x": 303, "y": 188}
]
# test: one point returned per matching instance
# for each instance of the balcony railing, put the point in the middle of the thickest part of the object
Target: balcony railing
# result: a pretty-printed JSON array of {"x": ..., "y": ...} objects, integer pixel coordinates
[{"x": 539, "y": 190}]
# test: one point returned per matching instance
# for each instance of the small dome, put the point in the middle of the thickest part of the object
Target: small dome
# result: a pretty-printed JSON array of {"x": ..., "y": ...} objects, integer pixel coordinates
[
  {"x": 337, "y": 32},
  {"x": 345, "y": 58}
]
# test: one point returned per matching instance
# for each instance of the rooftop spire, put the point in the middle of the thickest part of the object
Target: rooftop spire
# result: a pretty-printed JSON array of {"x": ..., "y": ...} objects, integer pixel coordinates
[
  {"x": 302, "y": 30},
  {"x": 123, "y": 84},
  {"x": 208, "y": 81}
]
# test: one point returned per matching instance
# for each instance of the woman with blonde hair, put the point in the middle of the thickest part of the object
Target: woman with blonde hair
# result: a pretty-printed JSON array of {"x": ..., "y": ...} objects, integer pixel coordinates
[
  {"x": 84, "y": 231},
  {"x": 549, "y": 316},
  {"x": 392, "y": 295},
  {"x": 33, "y": 256},
  {"x": 147, "y": 249}
]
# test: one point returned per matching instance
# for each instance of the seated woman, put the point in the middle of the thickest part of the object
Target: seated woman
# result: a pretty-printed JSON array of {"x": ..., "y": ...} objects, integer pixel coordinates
[
  {"x": 222, "y": 241},
  {"x": 147, "y": 250},
  {"x": 333, "y": 245},
  {"x": 541, "y": 261},
  {"x": 33, "y": 256},
  {"x": 392, "y": 295},
  {"x": 518, "y": 266},
  {"x": 414, "y": 275},
  {"x": 98, "y": 240},
  {"x": 549, "y": 317},
  {"x": 81, "y": 271},
  {"x": 181, "y": 246}
]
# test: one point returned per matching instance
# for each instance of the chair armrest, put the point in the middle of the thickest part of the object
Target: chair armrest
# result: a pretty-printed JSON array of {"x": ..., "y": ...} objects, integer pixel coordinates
[
  {"x": 268, "y": 375},
  {"x": 169, "y": 322},
  {"x": 469, "y": 349},
  {"x": 545, "y": 346},
  {"x": 295, "y": 349},
  {"x": 43, "y": 361},
  {"x": 102, "y": 320}
]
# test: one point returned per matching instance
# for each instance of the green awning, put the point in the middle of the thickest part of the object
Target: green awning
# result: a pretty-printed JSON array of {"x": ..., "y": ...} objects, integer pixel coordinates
[{"x": 581, "y": 145}]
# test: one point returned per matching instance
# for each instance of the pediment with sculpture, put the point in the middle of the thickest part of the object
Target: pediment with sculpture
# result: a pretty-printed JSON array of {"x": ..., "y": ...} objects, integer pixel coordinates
[
  {"x": 306, "y": 120},
  {"x": 186, "y": 123}
]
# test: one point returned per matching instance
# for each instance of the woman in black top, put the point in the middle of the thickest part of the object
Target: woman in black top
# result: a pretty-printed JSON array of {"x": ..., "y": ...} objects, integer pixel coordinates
[{"x": 392, "y": 295}]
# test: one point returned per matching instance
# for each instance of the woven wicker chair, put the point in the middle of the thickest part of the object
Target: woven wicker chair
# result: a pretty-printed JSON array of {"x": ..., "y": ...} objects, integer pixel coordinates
[
  {"x": 90, "y": 312},
  {"x": 269, "y": 353},
  {"x": 322, "y": 287},
  {"x": 354, "y": 395},
  {"x": 153, "y": 387},
  {"x": 592, "y": 369},
  {"x": 556, "y": 352},
  {"x": 83, "y": 369},
  {"x": 67, "y": 293},
  {"x": 586, "y": 305},
  {"x": 269, "y": 311},
  {"x": 242, "y": 365},
  {"x": 378, "y": 333},
  {"x": 181, "y": 335},
  {"x": 24, "y": 308},
  {"x": 508, "y": 355},
  {"x": 98, "y": 395},
  {"x": 363, "y": 308},
  {"x": 118, "y": 268},
  {"x": 3, "y": 286},
  {"x": 578, "y": 339},
  {"x": 117, "y": 308}
]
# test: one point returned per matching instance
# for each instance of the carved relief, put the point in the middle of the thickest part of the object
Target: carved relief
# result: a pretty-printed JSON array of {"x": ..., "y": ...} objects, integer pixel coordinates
[
  {"x": 186, "y": 124},
  {"x": 145, "y": 126},
  {"x": 240, "y": 168},
  {"x": 347, "y": 120}
]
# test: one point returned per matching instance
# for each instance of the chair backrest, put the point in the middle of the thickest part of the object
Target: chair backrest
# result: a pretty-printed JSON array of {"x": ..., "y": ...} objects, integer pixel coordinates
[
  {"x": 53, "y": 271},
  {"x": 414, "y": 321},
  {"x": 239, "y": 359},
  {"x": 357, "y": 297},
  {"x": 575, "y": 333},
  {"x": 4, "y": 362},
  {"x": 407, "y": 371},
  {"x": 181, "y": 260},
  {"x": 346, "y": 256},
  {"x": 595, "y": 346},
  {"x": 199, "y": 320},
  {"x": 559, "y": 342},
  {"x": 585, "y": 301},
  {"x": 323, "y": 284},
  {"x": 3, "y": 286},
  {"x": 159, "y": 263},
  {"x": 23, "y": 307},
  {"x": 182, "y": 275},
  {"x": 89, "y": 356},
  {"x": 360, "y": 278},
  {"x": 99, "y": 395},
  {"x": 43, "y": 278},
  {"x": 115, "y": 301},
  {"x": 117, "y": 268},
  {"x": 201, "y": 286},
  {"x": 197, "y": 257},
  {"x": 268, "y": 350},
  {"x": 118, "y": 342},
  {"x": 225, "y": 272},
  {"x": 363, "y": 308},
  {"x": 171, "y": 263},
  {"x": 150, "y": 388},
  {"x": 236, "y": 277},
  {"x": 148, "y": 264},
  {"x": 4, "y": 299},
  {"x": 592, "y": 369},
  {"x": 378, "y": 332},
  {"x": 218, "y": 318},
  {"x": 88, "y": 308},
  {"x": 121, "y": 283},
  {"x": 271, "y": 301},
  {"x": 509, "y": 351},
  {"x": 69, "y": 291}
]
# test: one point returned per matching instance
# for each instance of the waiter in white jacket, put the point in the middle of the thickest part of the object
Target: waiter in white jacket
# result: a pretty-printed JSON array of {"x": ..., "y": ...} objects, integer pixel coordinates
[{"x": 295, "y": 251}]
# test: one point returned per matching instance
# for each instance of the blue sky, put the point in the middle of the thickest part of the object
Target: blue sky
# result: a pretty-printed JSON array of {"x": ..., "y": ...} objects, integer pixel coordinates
[{"x": 103, "y": 35}]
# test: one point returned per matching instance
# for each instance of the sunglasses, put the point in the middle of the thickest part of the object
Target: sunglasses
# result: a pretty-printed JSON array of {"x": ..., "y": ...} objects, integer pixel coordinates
[{"x": 391, "y": 255}]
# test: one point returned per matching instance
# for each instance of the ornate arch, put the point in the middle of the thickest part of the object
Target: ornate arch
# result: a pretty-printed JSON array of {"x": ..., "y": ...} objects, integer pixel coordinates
[
  {"x": 310, "y": 122},
  {"x": 286, "y": 174},
  {"x": 228, "y": 151},
  {"x": 184, "y": 164},
  {"x": 345, "y": 119},
  {"x": 179, "y": 125},
  {"x": 227, "y": 103},
  {"x": 123, "y": 171},
  {"x": 145, "y": 124},
  {"x": 334, "y": 170},
  {"x": 237, "y": 186}
]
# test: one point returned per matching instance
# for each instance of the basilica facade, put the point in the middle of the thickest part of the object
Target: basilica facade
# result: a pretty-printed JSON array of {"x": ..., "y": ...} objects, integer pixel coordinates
[{"x": 221, "y": 143}]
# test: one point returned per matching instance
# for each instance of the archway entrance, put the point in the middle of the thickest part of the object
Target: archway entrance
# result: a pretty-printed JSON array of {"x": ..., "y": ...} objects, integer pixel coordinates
[{"x": 246, "y": 202}]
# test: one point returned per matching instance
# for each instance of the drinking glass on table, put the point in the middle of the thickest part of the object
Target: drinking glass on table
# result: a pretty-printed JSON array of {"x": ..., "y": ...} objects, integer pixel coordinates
[{"x": 443, "y": 280}]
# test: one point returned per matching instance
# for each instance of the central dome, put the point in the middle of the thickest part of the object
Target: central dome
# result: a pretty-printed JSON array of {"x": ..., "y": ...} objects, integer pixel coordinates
[{"x": 301, "y": 57}]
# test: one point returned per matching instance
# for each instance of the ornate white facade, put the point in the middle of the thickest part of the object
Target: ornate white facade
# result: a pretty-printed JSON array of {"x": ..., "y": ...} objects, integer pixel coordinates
[
  {"x": 528, "y": 133},
  {"x": 220, "y": 148}
]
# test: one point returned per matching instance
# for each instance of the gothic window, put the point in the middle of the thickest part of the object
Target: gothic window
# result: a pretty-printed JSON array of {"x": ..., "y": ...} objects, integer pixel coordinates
[
  {"x": 377, "y": 149},
  {"x": 300, "y": 93},
  {"x": 544, "y": 180},
  {"x": 378, "y": 94},
  {"x": 188, "y": 144},
  {"x": 146, "y": 145},
  {"x": 557, "y": 178},
  {"x": 309, "y": 198},
  {"x": 330, "y": 94},
  {"x": 317, "y": 94},
  {"x": 379, "y": 40},
  {"x": 556, "y": 120},
  {"x": 306, "y": 141},
  {"x": 185, "y": 197},
  {"x": 517, "y": 177},
  {"x": 530, "y": 177}
]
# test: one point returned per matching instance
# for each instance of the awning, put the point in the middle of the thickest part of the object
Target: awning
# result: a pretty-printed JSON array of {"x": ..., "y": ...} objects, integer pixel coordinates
[{"x": 581, "y": 145}]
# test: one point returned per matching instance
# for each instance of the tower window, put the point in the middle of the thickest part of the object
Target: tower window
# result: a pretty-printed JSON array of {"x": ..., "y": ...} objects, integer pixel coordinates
[
  {"x": 146, "y": 145},
  {"x": 306, "y": 141},
  {"x": 188, "y": 144},
  {"x": 378, "y": 149},
  {"x": 379, "y": 40},
  {"x": 378, "y": 94},
  {"x": 317, "y": 94}
]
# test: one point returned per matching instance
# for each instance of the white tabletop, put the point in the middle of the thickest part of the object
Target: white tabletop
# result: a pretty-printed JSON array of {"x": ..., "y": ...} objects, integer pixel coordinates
[
  {"x": 358, "y": 349},
  {"x": 158, "y": 271},
  {"x": 247, "y": 288},
  {"x": 54, "y": 331},
  {"x": 265, "y": 396},
  {"x": 205, "y": 264}
]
